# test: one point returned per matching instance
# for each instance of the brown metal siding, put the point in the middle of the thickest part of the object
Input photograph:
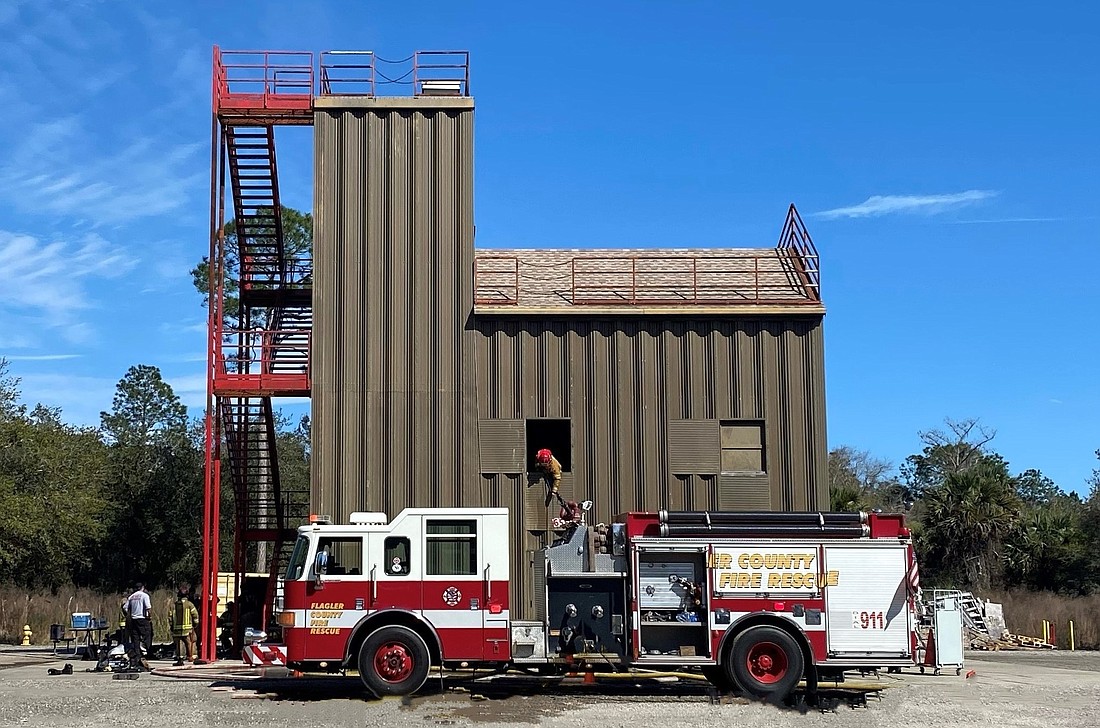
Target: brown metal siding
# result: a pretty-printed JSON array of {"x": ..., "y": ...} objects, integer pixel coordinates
[
  {"x": 644, "y": 397},
  {"x": 393, "y": 405},
  {"x": 693, "y": 447},
  {"x": 403, "y": 373},
  {"x": 501, "y": 446},
  {"x": 744, "y": 493}
]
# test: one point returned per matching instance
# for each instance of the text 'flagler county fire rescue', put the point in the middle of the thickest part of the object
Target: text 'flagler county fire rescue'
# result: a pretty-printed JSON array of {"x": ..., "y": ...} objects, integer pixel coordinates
[{"x": 755, "y": 569}]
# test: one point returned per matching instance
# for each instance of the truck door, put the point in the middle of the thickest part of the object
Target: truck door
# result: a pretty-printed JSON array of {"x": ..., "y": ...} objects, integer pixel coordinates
[
  {"x": 395, "y": 572},
  {"x": 454, "y": 584},
  {"x": 867, "y": 608}
]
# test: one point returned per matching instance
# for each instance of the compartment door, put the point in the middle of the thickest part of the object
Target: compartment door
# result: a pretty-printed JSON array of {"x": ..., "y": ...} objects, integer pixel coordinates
[{"x": 867, "y": 608}]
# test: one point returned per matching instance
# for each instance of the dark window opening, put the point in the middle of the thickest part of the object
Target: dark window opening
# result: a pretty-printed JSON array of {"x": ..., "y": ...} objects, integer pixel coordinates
[
  {"x": 553, "y": 435},
  {"x": 397, "y": 556}
]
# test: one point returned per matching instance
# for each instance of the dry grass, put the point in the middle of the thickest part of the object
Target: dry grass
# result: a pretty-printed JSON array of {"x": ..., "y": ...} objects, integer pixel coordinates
[
  {"x": 41, "y": 609},
  {"x": 1025, "y": 612}
]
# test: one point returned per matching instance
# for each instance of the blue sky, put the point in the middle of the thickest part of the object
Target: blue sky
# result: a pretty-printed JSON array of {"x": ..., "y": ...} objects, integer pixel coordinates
[{"x": 943, "y": 155}]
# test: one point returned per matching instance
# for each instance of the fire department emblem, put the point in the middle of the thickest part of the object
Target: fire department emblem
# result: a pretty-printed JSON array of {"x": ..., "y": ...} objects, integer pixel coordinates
[{"x": 451, "y": 596}]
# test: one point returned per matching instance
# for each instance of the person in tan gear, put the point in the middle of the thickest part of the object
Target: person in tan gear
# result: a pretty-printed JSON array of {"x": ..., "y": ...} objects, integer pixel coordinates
[
  {"x": 545, "y": 461},
  {"x": 183, "y": 621}
]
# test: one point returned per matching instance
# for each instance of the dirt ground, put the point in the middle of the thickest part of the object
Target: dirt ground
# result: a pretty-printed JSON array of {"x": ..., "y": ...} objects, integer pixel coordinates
[{"x": 1022, "y": 688}]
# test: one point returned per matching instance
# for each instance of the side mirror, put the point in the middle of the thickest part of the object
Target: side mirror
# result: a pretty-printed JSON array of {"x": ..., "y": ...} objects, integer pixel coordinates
[{"x": 320, "y": 566}]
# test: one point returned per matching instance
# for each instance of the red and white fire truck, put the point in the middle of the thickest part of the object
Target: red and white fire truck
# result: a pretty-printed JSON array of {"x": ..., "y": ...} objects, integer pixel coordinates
[{"x": 755, "y": 601}]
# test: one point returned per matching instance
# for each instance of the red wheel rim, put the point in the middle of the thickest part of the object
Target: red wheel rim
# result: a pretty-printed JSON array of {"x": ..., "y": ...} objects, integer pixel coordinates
[
  {"x": 393, "y": 663},
  {"x": 767, "y": 662}
]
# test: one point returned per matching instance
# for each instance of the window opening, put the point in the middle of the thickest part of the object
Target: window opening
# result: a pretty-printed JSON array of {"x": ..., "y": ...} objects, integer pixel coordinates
[
  {"x": 451, "y": 548},
  {"x": 742, "y": 447},
  {"x": 345, "y": 555},
  {"x": 397, "y": 556},
  {"x": 296, "y": 565},
  {"x": 555, "y": 436}
]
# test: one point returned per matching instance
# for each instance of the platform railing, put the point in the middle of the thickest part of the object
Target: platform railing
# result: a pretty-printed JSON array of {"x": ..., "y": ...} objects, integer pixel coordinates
[
  {"x": 496, "y": 280},
  {"x": 756, "y": 277},
  {"x": 267, "y": 80},
  {"x": 347, "y": 73},
  {"x": 262, "y": 352},
  {"x": 795, "y": 241}
]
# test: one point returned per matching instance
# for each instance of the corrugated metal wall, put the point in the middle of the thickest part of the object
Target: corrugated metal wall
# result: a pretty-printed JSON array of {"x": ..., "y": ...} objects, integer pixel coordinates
[
  {"x": 644, "y": 397},
  {"x": 394, "y": 423},
  {"x": 417, "y": 402}
]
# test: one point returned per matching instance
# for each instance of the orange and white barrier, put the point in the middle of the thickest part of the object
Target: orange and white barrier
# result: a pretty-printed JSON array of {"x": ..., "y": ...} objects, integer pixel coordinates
[{"x": 264, "y": 655}]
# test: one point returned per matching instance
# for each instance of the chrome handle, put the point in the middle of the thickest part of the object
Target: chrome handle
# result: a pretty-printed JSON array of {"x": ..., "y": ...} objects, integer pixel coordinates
[
  {"x": 373, "y": 584},
  {"x": 488, "y": 585}
]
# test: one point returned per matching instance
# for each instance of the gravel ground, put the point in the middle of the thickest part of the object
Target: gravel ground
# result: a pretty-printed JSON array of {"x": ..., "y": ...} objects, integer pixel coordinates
[{"x": 1048, "y": 689}]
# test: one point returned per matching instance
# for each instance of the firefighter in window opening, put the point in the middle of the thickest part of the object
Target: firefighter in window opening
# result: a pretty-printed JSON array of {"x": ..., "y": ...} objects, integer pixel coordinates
[
  {"x": 183, "y": 621},
  {"x": 545, "y": 461}
]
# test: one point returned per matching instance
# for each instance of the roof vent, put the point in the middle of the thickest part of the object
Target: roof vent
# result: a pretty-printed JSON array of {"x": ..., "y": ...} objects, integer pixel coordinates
[{"x": 368, "y": 518}]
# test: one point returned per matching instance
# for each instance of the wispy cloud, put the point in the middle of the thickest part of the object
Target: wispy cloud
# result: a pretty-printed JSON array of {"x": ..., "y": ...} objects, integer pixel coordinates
[
  {"x": 44, "y": 282},
  {"x": 42, "y": 357},
  {"x": 878, "y": 205},
  {"x": 48, "y": 170}
]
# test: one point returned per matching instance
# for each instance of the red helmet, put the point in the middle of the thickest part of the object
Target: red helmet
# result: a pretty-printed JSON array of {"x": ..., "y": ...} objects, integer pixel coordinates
[{"x": 543, "y": 456}]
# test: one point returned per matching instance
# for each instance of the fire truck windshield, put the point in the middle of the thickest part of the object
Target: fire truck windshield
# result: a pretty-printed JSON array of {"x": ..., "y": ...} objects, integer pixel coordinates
[{"x": 297, "y": 563}]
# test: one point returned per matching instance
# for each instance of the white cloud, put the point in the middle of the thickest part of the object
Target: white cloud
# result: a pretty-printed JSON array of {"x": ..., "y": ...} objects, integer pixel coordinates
[
  {"x": 50, "y": 170},
  {"x": 42, "y": 284},
  {"x": 878, "y": 205}
]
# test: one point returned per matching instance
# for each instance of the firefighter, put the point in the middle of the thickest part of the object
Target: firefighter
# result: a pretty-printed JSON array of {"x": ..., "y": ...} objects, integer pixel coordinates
[
  {"x": 545, "y": 461},
  {"x": 183, "y": 620},
  {"x": 120, "y": 635}
]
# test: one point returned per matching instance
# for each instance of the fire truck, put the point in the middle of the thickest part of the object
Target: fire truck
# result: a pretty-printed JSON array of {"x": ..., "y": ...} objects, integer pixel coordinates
[{"x": 755, "y": 602}]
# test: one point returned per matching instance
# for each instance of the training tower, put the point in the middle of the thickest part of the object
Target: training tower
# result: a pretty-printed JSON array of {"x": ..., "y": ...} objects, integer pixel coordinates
[{"x": 260, "y": 345}]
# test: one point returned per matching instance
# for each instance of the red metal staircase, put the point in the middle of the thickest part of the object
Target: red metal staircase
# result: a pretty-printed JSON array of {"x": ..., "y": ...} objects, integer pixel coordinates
[{"x": 266, "y": 352}]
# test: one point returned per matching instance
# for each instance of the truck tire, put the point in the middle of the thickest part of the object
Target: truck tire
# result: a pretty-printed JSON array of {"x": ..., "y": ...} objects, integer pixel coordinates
[
  {"x": 765, "y": 662},
  {"x": 393, "y": 661}
]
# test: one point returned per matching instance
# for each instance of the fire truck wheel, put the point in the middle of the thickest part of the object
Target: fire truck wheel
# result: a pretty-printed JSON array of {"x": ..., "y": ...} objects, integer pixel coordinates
[
  {"x": 394, "y": 661},
  {"x": 765, "y": 662}
]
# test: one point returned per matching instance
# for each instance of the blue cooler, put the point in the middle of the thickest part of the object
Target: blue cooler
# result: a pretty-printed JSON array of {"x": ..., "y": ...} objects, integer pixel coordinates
[{"x": 82, "y": 620}]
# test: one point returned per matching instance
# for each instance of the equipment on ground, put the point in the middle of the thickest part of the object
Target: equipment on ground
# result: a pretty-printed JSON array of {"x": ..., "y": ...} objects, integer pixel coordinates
[
  {"x": 944, "y": 643},
  {"x": 754, "y": 601}
]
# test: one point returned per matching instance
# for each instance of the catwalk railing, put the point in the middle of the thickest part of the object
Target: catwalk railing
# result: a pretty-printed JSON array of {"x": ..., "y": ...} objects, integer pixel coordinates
[{"x": 284, "y": 83}]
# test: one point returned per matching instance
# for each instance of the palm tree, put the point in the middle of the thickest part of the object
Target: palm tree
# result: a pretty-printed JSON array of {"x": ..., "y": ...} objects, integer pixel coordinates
[{"x": 967, "y": 520}]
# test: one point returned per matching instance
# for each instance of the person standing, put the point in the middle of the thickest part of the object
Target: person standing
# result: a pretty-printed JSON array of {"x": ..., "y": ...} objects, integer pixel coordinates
[
  {"x": 183, "y": 621},
  {"x": 139, "y": 624}
]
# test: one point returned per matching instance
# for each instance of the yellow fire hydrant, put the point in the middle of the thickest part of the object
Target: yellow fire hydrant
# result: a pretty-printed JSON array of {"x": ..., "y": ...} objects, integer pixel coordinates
[{"x": 27, "y": 634}]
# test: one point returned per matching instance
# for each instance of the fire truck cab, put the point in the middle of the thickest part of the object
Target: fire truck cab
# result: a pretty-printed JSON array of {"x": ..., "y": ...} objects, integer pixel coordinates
[{"x": 755, "y": 601}]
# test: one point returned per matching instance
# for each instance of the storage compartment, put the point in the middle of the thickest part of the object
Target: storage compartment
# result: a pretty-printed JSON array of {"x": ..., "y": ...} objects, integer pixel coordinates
[
  {"x": 528, "y": 642},
  {"x": 672, "y": 605}
]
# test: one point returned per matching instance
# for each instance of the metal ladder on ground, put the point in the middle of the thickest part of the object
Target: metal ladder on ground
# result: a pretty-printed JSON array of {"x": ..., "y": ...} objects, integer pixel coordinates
[{"x": 972, "y": 614}]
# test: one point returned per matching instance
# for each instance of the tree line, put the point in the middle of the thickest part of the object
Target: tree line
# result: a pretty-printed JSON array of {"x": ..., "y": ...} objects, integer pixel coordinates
[
  {"x": 976, "y": 525},
  {"x": 103, "y": 506}
]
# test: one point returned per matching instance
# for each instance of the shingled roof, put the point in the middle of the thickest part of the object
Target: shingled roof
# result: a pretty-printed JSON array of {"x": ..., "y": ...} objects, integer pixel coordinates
[{"x": 639, "y": 280}]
